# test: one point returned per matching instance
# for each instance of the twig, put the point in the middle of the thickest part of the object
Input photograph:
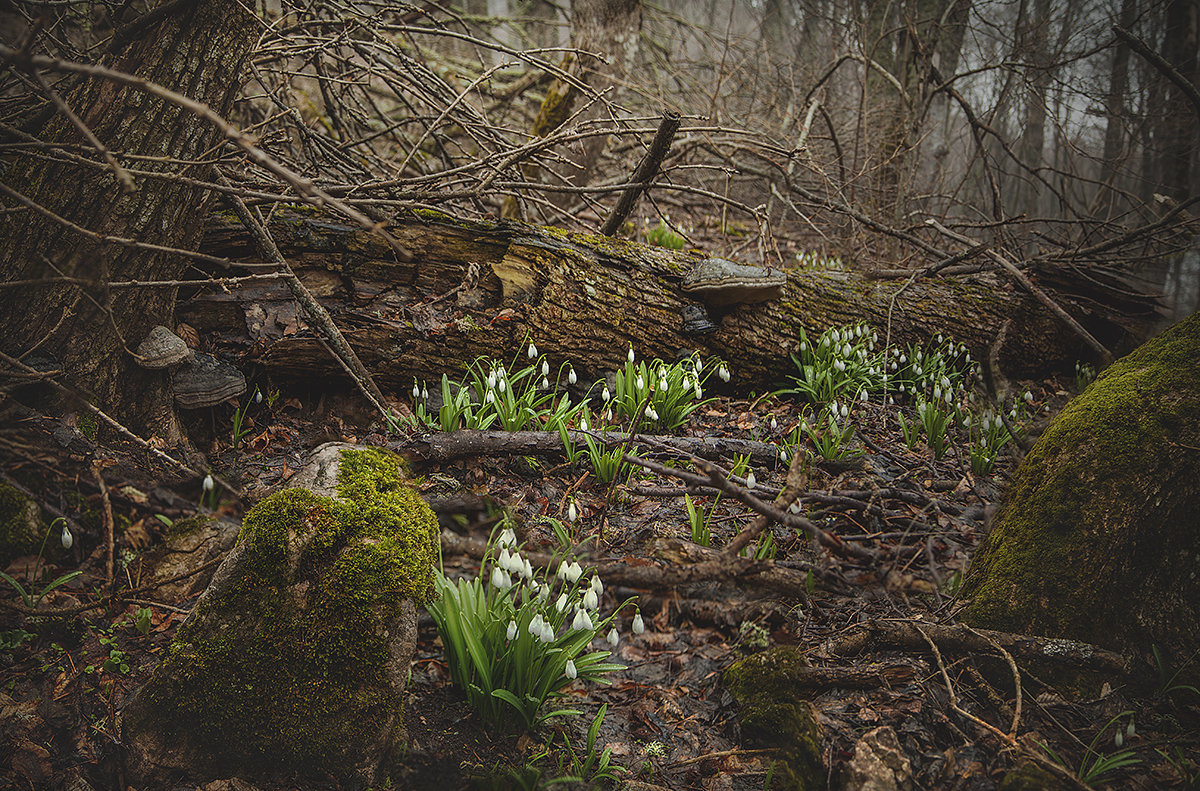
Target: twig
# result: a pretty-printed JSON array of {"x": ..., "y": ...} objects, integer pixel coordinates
[
  {"x": 109, "y": 538},
  {"x": 645, "y": 174}
]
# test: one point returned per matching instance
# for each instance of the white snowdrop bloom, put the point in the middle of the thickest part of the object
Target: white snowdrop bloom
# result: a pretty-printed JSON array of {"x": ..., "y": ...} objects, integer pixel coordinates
[
  {"x": 662, "y": 383},
  {"x": 535, "y": 625},
  {"x": 904, "y": 359},
  {"x": 424, "y": 393},
  {"x": 874, "y": 337},
  {"x": 699, "y": 392},
  {"x": 569, "y": 671},
  {"x": 1130, "y": 729},
  {"x": 68, "y": 540},
  {"x": 774, "y": 423},
  {"x": 794, "y": 507},
  {"x": 507, "y": 538},
  {"x": 608, "y": 415},
  {"x": 545, "y": 368},
  {"x": 571, "y": 378},
  {"x": 561, "y": 604},
  {"x": 605, "y": 396},
  {"x": 501, "y": 385},
  {"x": 1012, "y": 414},
  {"x": 894, "y": 366},
  {"x": 968, "y": 357},
  {"x": 258, "y": 396},
  {"x": 1118, "y": 739},
  {"x": 845, "y": 410},
  {"x": 640, "y": 384},
  {"x": 1028, "y": 397},
  {"x": 723, "y": 372},
  {"x": 839, "y": 366},
  {"x": 547, "y": 635},
  {"x": 597, "y": 585},
  {"x": 651, "y": 413},
  {"x": 562, "y": 570},
  {"x": 544, "y": 593},
  {"x": 937, "y": 392},
  {"x": 847, "y": 351},
  {"x": 545, "y": 383},
  {"x": 583, "y": 423},
  {"x": 527, "y": 573},
  {"x": 783, "y": 455},
  {"x": 491, "y": 380},
  {"x": 490, "y": 398},
  {"x": 572, "y": 512},
  {"x": 639, "y": 625},
  {"x": 498, "y": 578},
  {"x": 613, "y": 638},
  {"x": 512, "y": 630},
  {"x": 803, "y": 347},
  {"x": 416, "y": 390},
  {"x": 532, "y": 351},
  {"x": 751, "y": 480},
  {"x": 590, "y": 600},
  {"x": 903, "y": 389},
  {"x": 574, "y": 572},
  {"x": 208, "y": 483},
  {"x": 577, "y": 623},
  {"x": 891, "y": 401},
  {"x": 629, "y": 356},
  {"x": 862, "y": 396},
  {"x": 505, "y": 559},
  {"x": 699, "y": 365}
]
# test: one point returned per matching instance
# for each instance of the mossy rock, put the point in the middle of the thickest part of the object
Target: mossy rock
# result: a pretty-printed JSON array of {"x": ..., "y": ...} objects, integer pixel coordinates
[
  {"x": 21, "y": 528},
  {"x": 1099, "y": 536},
  {"x": 775, "y": 714},
  {"x": 295, "y": 659},
  {"x": 1029, "y": 776}
]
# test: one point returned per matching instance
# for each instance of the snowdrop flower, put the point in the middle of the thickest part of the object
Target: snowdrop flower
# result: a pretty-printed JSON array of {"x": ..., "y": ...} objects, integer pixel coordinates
[
  {"x": 639, "y": 625},
  {"x": 891, "y": 401},
  {"x": 545, "y": 368},
  {"x": 501, "y": 385},
  {"x": 605, "y": 396},
  {"x": 803, "y": 347},
  {"x": 505, "y": 559},
  {"x": 507, "y": 538},
  {"x": 613, "y": 638},
  {"x": 651, "y": 413},
  {"x": 846, "y": 350},
  {"x": 67, "y": 539},
  {"x": 532, "y": 351},
  {"x": 583, "y": 423},
  {"x": 699, "y": 392},
  {"x": 208, "y": 483},
  {"x": 774, "y": 423},
  {"x": 630, "y": 355},
  {"x": 424, "y": 393},
  {"x": 937, "y": 392},
  {"x": 723, "y": 372},
  {"x": 751, "y": 480},
  {"x": 561, "y": 604},
  {"x": 862, "y": 396},
  {"x": 662, "y": 383},
  {"x": 597, "y": 586},
  {"x": 527, "y": 573},
  {"x": 547, "y": 635},
  {"x": 845, "y": 411},
  {"x": 574, "y": 572},
  {"x": 491, "y": 380},
  {"x": 545, "y": 383},
  {"x": 500, "y": 580},
  {"x": 839, "y": 366},
  {"x": 1028, "y": 397},
  {"x": 794, "y": 508},
  {"x": 1130, "y": 729},
  {"x": 783, "y": 455},
  {"x": 582, "y": 621},
  {"x": 512, "y": 630},
  {"x": 571, "y": 378},
  {"x": 608, "y": 415},
  {"x": 569, "y": 671},
  {"x": 590, "y": 600},
  {"x": 640, "y": 384},
  {"x": 572, "y": 512},
  {"x": 562, "y": 570},
  {"x": 258, "y": 396},
  {"x": 490, "y": 398},
  {"x": 699, "y": 365},
  {"x": 543, "y": 593},
  {"x": 535, "y": 626},
  {"x": 1118, "y": 739},
  {"x": 416, "y": 390}
]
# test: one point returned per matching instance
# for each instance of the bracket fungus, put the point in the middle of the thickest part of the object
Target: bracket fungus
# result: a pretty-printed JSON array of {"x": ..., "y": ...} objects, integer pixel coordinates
[
  {"x": 206, "y": 381},
  {"x": 719, "y": 282},
  {"x": 162, "y": 349}
]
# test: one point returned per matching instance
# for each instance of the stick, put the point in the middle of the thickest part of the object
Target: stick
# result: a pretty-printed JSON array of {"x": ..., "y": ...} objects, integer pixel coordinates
[{"x": 646, "y": 172}]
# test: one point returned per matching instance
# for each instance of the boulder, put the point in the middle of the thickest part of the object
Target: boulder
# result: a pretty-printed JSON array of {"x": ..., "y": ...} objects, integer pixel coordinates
[
  {"x": 294, "y": 660},
  {"x": 187, "y": 547}
]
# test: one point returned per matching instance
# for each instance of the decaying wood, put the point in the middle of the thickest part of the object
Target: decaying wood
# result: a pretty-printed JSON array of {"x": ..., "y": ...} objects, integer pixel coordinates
[
  {"x": 907, "y": 635},
  {"x": 482, "y": 288}
]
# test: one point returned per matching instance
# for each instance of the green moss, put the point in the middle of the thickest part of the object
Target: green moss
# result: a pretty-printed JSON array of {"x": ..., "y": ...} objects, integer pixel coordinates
[
  {"x": 310, "y": 683},
  {"x": 774, "y": 713},
  {"x": 21, "y": 529},
  {"x": 1029, "y": 776},
  {"x": 88, "y": 425},
  {"x": 1097, "y": 539},
  {"x": 185, "y": 527}
]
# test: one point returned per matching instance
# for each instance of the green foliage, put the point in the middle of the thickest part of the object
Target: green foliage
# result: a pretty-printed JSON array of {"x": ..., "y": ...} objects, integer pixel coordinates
[
  {"x": 1166, "y": 683},
  {"x": 1186, "y": 768},
  {"x": 555, "y": 765},
  {"x": 662, "y": 235},
  {"x": 1085, "y": 374},
  {"x": 1096, "y": 764},
  {"x": 606, "y": 464},
  {"x": 698, "y": 520},
  {"x": 841, "y": 363},
  {"x": 671, "y": 392},
  {"x": 239, "y": 418},
  {"x": 514, "y": 638},
  {"x": 934, "y": 422},
  {"x": 831, "y": 440}
]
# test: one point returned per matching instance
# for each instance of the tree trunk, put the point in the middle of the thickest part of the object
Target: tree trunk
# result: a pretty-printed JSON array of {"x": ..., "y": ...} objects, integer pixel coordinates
[
  {"x": 478, "y": 289},
  {"x": 1099, "y": 539},
  {"x": 198, "y": 50},
  {"x": 1179, "y": 139}
]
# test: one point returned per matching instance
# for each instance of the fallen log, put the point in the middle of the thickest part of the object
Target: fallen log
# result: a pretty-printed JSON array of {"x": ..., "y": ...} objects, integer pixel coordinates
[{"x": 482, "y": 288}]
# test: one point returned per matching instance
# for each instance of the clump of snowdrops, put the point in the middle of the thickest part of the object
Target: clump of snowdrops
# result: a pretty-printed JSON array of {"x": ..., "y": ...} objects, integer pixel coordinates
[{"x": 515, "y": 637}]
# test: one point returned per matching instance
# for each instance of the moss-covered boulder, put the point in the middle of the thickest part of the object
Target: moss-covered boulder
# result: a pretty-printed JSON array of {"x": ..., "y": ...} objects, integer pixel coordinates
[
  {"x": 775, "y": 714},
  {"x": 21, "y": 528},
  {"x": 295, "y": 658},
  {"x": 1099, "y": 537}
]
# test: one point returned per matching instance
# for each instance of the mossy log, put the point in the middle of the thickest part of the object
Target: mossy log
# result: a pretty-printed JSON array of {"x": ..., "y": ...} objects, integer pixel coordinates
[
  {"x": 482, "y": 288},
  {"x": 1099, "y": 538}
]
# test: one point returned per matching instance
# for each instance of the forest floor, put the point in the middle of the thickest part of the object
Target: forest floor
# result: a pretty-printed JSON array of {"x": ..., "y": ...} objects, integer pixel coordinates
[{"x": 670, "y": 721}]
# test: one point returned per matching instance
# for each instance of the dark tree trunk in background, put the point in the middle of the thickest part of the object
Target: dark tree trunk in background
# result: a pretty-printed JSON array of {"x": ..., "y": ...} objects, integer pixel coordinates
[
  {"x": 1115, "y": 111},
  {"x": 1179, "y": 136},
  {"x": 199, "y": 51}
]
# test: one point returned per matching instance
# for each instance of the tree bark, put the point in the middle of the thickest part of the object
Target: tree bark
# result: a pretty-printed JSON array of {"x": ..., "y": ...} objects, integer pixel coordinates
[
  {"x": 484, "y": 288},
  {"x": 1098, "y": 538},
  {"x": 198, "y": 50}
]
